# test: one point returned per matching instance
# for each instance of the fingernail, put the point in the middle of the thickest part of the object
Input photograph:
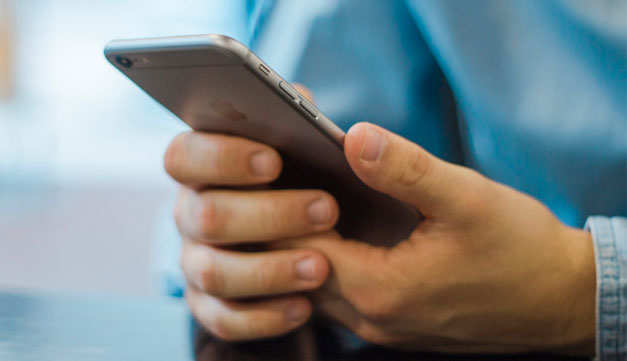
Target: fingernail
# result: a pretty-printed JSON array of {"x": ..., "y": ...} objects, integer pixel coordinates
[
  {"x": 306, "y": 269},
  {"x": 319, "y": 212},
  {"x": 295, "y": 313},
  {"x": 372, "y": 147},
  {"x": 262, "y": 164}
]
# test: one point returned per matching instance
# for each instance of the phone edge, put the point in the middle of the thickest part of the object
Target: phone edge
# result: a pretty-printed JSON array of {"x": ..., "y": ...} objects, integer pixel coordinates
[{"x": 235, "y": 49}]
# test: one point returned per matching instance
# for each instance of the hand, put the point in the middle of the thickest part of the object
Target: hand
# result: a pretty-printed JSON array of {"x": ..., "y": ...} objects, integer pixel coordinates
[
  {"x": 225, "y": 286},
  {"x": 488, "y": 270}
]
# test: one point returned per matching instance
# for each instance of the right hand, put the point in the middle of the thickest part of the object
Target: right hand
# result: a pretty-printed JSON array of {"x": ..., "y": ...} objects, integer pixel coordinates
[{"x": 240, "y": 295}]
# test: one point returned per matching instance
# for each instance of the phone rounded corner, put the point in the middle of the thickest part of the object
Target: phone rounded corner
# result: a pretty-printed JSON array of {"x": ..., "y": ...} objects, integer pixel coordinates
[
  {"x": 112, "y": 47},
  {"x": 109, "y": 53},
  {"x": 231, "y": 46}
]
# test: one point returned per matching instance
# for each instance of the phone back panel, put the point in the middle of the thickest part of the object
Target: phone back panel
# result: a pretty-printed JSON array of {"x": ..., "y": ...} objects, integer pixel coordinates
[{"x": 215, "y": 84}]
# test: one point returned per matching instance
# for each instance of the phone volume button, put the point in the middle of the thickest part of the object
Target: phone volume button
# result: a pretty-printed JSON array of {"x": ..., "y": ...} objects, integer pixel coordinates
[
  {"x": 287, "y": 89},
  {"x": 309, "y": 108}
]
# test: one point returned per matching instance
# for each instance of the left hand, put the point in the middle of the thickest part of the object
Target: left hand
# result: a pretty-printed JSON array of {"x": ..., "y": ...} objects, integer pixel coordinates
[{"x": 489, "y": 269}]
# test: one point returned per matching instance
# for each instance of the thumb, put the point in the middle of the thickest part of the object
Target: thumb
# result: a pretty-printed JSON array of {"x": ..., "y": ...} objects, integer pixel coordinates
[{"x": 402, "y": 169}]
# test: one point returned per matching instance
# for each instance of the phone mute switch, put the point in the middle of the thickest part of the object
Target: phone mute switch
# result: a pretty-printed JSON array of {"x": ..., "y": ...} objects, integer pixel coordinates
[
  {"x": 309, "y": 108},
  {"x": 264, "y": 69}
]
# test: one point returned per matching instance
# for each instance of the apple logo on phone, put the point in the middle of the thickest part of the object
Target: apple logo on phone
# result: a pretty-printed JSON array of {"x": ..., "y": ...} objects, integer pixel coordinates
[{"x": 227, "y": 110}]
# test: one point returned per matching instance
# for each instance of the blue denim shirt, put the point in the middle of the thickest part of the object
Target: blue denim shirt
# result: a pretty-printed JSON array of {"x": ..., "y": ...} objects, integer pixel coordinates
[
  {"x": 531, "y": 93},
  {"x": 610, "y": 247}
]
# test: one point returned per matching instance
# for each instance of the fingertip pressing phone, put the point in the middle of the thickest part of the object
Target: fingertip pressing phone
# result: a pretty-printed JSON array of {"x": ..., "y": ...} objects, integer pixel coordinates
[{"x": 216, "y": 84}]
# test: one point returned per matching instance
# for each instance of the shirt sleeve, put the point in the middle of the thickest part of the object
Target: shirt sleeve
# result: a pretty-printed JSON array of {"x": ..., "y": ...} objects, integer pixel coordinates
[{"x": 610, "y": 248}]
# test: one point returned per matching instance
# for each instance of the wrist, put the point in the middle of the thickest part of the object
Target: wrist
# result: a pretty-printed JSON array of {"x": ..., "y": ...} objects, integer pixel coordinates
[{"x": 581, "y": 288}]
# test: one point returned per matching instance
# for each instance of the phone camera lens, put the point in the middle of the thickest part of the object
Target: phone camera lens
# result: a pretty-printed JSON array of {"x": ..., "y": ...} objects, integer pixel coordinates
[{"x": 124, "y": 61}]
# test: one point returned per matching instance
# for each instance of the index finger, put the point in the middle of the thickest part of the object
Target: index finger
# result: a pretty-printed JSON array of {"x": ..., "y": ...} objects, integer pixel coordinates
[{"x": 206, "y": 159}]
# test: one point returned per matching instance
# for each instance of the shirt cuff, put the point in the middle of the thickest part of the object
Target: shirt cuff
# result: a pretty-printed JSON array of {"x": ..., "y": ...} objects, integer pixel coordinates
[{"x": 610, "y": 249}]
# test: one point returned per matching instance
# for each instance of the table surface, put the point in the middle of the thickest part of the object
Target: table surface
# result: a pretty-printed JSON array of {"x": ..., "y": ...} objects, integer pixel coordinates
[{"x": 35, "y": 326}]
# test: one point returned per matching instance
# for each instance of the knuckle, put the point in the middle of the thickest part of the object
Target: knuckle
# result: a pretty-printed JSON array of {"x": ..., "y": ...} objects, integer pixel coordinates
[
  {"x": 220, "y": 160},
  {"x": 416, "y": 167},
  {"x": 267, "y": 278},
  {"x": 220, "y": 328},
  {"x": 480, "y": 199},
  {"x": 261, "y": 329},
  {"x": 214, "y": 322},
  {"x": 211, "y": 279},
  {"x": 247, "y": 328},
  {"x": 382, "y": 300},
  {"x": 277, "y": 215},
  {"x": 209, "y": 220},
  {"x": 380, "y": 307}
]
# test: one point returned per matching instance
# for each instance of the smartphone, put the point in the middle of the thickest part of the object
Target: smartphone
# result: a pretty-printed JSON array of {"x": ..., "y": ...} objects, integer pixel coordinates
[{"x": 216, "y": 84}]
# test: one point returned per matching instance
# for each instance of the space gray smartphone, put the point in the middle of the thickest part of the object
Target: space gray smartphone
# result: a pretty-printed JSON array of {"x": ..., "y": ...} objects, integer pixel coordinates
[{"x": 216, "y": 84}]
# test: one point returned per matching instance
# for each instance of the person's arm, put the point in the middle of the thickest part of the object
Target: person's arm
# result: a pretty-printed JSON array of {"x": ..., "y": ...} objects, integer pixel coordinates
[{"x": 610, "y": 249}]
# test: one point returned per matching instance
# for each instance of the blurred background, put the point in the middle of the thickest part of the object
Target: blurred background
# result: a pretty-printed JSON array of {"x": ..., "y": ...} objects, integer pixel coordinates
[{"x": 83, "y": 195}]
